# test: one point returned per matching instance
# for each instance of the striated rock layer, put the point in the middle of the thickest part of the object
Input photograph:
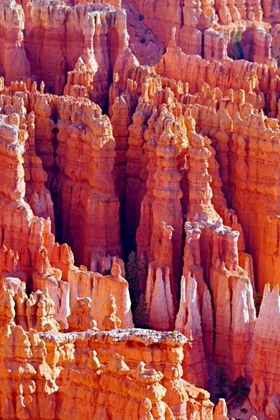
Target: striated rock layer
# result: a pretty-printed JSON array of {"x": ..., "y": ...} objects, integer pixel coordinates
[
  {"x": 96, "y": 375},
  {"x": 183, "y": 170}
]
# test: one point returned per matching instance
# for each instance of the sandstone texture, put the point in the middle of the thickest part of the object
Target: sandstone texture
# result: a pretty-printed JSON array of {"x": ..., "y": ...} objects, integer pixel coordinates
[
  {"x": 95, "y": 375},
  {"x": 152, "y": 127}
]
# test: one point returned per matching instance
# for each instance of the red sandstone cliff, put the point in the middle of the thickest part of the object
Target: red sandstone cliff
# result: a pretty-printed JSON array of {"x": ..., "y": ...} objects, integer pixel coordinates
[{"x": 184, "y": 170}]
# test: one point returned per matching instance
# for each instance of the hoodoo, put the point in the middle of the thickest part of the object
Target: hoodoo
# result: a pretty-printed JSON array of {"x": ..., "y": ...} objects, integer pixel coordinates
[{"x": 139, "y": 210}]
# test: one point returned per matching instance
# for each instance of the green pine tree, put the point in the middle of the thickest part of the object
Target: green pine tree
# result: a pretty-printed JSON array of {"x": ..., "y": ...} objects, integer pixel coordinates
[
  {"x": 141, "y": 313},
  {"x": 132, "y": 278},
  {"x": 239, "y": 389},
  {"x": 136, "y": 271},
  {"x": 221, "y": 382},
  {"x": 236, "y": 51}
]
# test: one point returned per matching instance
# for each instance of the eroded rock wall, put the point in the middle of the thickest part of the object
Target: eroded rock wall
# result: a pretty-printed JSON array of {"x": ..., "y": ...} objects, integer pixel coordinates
[
  {"x": 212, "y": 29},
  {"x": 96, "y": 375},
  {"x": 184, "y": 171}
]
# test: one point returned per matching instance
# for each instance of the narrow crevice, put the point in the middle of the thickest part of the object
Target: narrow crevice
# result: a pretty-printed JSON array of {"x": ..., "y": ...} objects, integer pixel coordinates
[
  {"x": 182, "y": 4},
  {"x": 55, "y": 190},
  {"x": 202, "y": 44}
]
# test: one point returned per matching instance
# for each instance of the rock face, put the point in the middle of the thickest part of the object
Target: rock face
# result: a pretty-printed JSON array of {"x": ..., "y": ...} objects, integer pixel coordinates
[
  {"x": 86, "y": 194},
  {"x": 212, "y": 250},
  {"x": 101, "y": 156},
  {"x": 14, "y": 62},
  {"x": 265, "y": 386},
  {"x": 42, "y": 370},
  {"x": 32, "y": 255},
  {"x": 77, "y": 193},
  {"x": 215, "y": 30}
]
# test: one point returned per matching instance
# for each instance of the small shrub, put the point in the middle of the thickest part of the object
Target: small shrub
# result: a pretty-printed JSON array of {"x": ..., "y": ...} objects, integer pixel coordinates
[
  {"x": 236, "y": 52},
  {"x": 258, "y": 301},
  {"x": 141, "y": 314},
  {"x": 221, "y": 382},
  {"x": 136, "y": 272},
  {"x": 239, "y": 389},
  {"x": 106, "y": 272},
  {"x": 237, "y": 35}
]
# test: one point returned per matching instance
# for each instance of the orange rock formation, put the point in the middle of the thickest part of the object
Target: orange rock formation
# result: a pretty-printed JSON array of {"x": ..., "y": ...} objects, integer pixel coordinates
[
  {"x": 177, "y": 161},
  {"x": 95, "y": 375}
]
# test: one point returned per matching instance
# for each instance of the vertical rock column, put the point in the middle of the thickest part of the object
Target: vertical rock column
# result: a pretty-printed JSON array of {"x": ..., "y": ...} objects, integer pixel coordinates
[
  {"x": 121, "y": 119},
  {"x": 265, "y": 350},
  {"x": 21, "y": 232},
  {"x": 15, "y": 223},
  {"x": 167, "y": 192},
  {"x": 144, "y": 231},
  {"x": 91, "y": 219},
  {"x": 211, "y": 257},
  {"x": 13, "y": 56},
  {"x": 135, "y": 168},
  {"x": 166, "y": 135},
  {"x": 188, "y": 322},
  {"x": 200, "y": 194}
]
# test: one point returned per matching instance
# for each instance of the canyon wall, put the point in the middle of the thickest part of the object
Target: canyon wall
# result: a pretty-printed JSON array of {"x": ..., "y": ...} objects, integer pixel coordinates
[
  {"x": 96, "y": 375},
  {"x": 101, "y": 156},
  {"x": 215, "y": 30}
]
